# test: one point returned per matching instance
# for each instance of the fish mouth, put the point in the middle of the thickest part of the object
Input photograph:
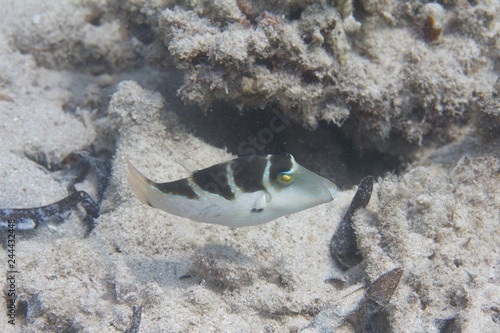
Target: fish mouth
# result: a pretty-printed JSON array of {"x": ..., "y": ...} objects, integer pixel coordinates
[{"x": 329, "y": 189}]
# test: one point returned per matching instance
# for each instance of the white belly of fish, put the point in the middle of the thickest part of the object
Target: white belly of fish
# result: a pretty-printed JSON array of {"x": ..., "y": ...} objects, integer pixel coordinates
[{"x": 211, "y": 208}]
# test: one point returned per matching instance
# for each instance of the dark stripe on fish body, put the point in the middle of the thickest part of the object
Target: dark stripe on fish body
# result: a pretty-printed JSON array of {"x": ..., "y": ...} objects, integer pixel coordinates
[
  {"x": 248, "y": 172},
  {"x": 214, "y": 180},
  {"x": 279, "y": 163},
  {"x": 179, "y": 187}
]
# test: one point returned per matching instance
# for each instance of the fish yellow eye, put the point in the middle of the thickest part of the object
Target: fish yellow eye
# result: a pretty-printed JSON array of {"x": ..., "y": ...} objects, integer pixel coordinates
[{"x": 285, "y": 178}]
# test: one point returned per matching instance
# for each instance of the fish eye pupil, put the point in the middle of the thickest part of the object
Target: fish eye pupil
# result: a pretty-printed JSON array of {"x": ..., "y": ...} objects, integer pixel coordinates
[{"x": 285, "y": 178}]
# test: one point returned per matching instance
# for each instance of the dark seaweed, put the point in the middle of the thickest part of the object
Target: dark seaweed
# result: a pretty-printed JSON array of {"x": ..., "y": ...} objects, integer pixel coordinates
[
  {"x": 82, "y": 162},
  {"x": 3, "y": 239},
  {"x": 375, "y": 316},
  {"x": 382, "y": 289},
  {"x": 76, "y": 166},
  {"x": 135, "y": 323},
  {"x": 23, "y": 216},
  {"x": 343, "y": 246},
  {"x": 451, "y": 325},
  {"x": 372, "y": 316},
  {"x": 29, "y": 307}
]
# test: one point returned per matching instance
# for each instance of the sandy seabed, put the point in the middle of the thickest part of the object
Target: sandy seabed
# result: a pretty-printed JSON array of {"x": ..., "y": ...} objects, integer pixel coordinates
[{"x": 438, "y": 219}]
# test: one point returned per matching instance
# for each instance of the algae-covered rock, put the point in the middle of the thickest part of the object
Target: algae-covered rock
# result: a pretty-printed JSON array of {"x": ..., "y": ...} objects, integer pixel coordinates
[{"x": 383, "y": 72}]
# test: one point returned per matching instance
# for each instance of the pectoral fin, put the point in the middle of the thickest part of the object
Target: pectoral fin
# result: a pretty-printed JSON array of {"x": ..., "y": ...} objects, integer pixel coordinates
[{"x": 261, "y": 202}]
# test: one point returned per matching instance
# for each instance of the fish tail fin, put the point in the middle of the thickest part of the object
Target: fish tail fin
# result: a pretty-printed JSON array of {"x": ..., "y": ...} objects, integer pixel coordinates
[{"x": 139, "y": 184}]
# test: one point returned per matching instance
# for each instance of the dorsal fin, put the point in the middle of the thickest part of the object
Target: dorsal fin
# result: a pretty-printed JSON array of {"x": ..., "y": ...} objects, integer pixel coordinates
[
  {"x": 183, "y": 165},
  {"x": 180, "y": 161}
]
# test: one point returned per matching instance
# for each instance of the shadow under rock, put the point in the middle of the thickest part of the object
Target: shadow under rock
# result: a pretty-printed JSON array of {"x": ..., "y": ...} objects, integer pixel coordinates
[{"x": 324, "y": 150}]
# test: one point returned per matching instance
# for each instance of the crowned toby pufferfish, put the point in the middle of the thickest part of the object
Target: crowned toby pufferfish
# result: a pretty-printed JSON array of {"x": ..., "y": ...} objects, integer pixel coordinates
[{"x": 242, "y": 192}]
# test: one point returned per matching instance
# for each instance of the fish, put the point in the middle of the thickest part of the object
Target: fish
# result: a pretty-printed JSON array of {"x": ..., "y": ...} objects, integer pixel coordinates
[{"x": 245, "y": 191}]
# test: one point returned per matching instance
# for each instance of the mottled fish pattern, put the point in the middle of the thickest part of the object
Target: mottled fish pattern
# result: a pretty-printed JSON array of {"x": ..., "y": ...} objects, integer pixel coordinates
[{"x": 242, "y": 192}]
